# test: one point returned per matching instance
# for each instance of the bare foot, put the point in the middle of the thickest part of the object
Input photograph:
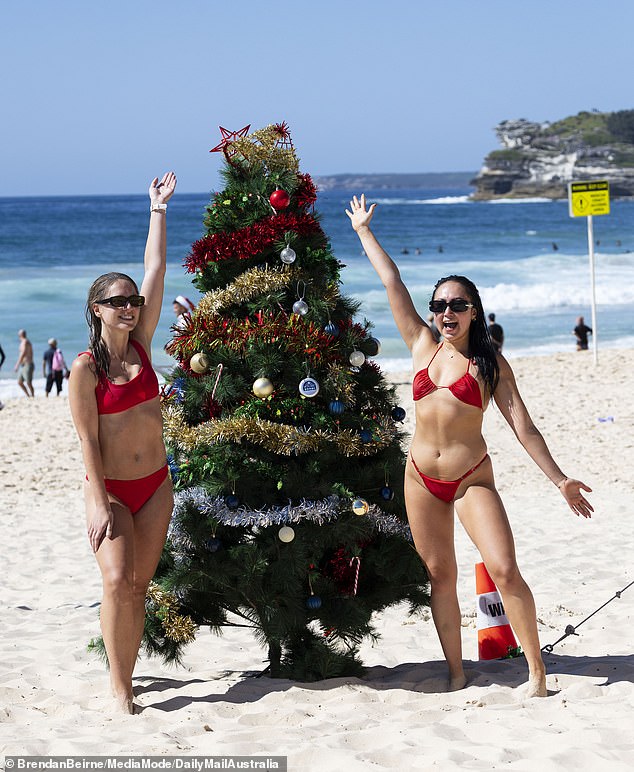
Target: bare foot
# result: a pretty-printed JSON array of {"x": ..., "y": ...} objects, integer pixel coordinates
[
  {"x": 536, "y": 686},
  {"x": 123, "y": 703},
  {"x": 457, "y": 682}
]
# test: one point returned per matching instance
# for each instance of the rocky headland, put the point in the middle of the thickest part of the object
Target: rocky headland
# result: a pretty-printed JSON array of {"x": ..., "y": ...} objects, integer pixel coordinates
[{"x": 540, "y": 159}]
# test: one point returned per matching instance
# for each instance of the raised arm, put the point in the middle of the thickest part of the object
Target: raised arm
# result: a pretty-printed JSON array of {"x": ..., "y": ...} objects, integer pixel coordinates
[
  {"x": 409, "y": 322},
  {"x": 155, "y": 258},
  {"x": 512, "y": 407}
]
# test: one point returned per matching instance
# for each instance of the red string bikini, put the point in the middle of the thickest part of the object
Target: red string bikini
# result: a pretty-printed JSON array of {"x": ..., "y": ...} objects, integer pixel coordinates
[{"x": 465, "y": 389}]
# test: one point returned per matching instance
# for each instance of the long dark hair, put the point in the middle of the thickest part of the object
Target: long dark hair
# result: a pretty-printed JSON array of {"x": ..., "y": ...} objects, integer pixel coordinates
[
  {"x": 480, "y": 345},
  {"x": 99, "y": 291}
]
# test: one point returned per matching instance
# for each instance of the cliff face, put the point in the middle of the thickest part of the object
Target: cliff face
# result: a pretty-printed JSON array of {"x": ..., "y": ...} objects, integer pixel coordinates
[{"x": 539, "y": 160}]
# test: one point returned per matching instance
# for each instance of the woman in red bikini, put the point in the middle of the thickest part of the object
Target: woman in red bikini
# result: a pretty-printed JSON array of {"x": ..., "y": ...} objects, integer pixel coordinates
[
  {"x": 114, "y": 401},
  {"x": 448, "y": 466}
]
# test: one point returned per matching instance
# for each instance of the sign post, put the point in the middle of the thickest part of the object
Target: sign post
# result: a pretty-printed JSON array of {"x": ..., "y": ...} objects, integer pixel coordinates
[{"x": 586, "y": 199}]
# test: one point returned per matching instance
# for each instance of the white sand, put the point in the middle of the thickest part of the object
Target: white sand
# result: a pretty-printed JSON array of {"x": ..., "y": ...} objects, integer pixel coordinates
[{"x": 396, "y": 717}]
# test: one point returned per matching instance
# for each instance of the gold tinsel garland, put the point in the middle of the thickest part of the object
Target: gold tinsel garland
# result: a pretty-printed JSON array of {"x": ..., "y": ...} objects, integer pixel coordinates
[
  {"x": 177, "y": 627},
  {"x": 255, "y": 281},
  {"x": 277, "y": 438},
  {"x": 263, "y": 146}
]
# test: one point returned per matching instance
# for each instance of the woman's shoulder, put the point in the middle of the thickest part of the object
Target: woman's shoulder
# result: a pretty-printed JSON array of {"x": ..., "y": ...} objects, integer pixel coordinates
[
  {"x": 424, "y": 347},
  {"x": 84, "y": 365}
]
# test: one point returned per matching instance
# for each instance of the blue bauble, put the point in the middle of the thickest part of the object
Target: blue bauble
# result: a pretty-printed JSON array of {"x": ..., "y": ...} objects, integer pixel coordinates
[
  {"x": 398, "y": 414},
  {"x": 173, "y": 468},
  {"x": 178, "y": 389},
  {"x": 387, "y": 493},
  {"x": 336, "y": 407},
  {"x": 372, "y": 347},
  {"x": 365, "y": 435},
  {"x": 331, "y": 329},
  {"x": 313, "y": 603},
  {"x": 232, "y": 501},
  {"x": 213, "y": 544}
]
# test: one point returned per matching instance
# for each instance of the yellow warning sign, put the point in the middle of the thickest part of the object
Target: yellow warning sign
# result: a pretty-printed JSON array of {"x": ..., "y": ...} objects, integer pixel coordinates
[{"x": 586, "y": 198}]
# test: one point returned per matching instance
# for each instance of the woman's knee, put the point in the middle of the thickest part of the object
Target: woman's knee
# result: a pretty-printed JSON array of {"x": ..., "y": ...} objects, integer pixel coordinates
[
  {"x": 123, "y": 587},
  {"x": 118, "y": 584},
  {"x": 443, "y": 575},
  {"x": 505, "y": 575}
]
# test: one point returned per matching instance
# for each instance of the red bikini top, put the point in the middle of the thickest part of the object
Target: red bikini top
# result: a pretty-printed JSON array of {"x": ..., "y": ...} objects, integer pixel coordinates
[
  {"x": 465, "y": 389},
  {"x": 117, "y": 397}
]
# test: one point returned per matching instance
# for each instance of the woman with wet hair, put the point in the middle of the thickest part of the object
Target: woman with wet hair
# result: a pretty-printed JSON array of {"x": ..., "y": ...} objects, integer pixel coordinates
[
  {"x": 448, "y": 468},
  {"x": 114, "y": 400}
]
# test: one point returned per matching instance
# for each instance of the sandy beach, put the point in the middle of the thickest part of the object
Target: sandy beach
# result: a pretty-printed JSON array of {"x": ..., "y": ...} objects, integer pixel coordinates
[{"x": 52, "y": 691}]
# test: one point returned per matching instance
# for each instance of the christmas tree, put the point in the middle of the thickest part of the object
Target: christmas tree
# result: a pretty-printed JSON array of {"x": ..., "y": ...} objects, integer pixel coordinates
[{"x": 283, "y": 434}]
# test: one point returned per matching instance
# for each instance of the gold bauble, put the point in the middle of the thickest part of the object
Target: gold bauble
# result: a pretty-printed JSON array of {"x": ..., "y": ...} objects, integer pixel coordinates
[
  {"x": 199, "y": 363},
  {"x": 262, "y": 387},
  {"x": 360, "y": 507}
]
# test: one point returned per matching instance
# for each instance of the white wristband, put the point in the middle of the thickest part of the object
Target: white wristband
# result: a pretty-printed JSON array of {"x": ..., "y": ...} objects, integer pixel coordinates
[{"x": 155, "y": 207}]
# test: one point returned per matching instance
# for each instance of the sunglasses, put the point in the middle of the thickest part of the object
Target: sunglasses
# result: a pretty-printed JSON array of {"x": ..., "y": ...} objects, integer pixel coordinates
[
  {"x": 121, "y": 301},
  {"x": 457, "y": 305}
]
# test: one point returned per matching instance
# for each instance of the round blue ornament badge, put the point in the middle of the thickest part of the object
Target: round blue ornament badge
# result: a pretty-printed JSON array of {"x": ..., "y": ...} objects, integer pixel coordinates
[{"x": 308, "y": 387}]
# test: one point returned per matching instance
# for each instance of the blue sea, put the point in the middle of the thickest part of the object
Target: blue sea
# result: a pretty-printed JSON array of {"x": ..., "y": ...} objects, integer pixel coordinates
[{"x": 529, "y": 259}]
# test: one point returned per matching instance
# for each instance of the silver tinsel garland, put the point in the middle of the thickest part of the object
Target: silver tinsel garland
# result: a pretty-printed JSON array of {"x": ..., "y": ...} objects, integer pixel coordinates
[{"x": 319, "y": 512}]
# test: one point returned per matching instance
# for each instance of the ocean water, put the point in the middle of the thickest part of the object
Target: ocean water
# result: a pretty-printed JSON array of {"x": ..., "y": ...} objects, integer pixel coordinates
[{"x": 51, "y": 249}]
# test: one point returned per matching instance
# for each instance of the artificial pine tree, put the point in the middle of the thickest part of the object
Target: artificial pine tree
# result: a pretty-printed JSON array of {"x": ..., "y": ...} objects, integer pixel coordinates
[{"x": 283, "y": 435}]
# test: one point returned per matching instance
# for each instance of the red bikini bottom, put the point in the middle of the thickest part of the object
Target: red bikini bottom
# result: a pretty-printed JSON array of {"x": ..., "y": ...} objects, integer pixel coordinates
[
  {"x": 445, "y": 490},
  {"x": 135, "y": 493}
]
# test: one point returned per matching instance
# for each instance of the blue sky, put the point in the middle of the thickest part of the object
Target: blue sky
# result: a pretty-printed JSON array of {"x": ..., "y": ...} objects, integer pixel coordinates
[{"x": 99, "y": 97}]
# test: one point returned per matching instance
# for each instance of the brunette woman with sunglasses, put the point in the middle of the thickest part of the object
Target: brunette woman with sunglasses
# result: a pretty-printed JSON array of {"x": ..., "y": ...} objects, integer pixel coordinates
[
  {"x": 448, "y": 466},
  {"x": 114, "y": 401}
]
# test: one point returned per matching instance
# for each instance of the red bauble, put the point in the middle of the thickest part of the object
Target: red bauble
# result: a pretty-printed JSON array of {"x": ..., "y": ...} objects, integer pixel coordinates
[{"x": 279, "y": 199}]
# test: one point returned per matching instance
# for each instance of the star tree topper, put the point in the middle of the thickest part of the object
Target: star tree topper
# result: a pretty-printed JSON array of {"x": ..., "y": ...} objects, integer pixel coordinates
[{"x": 228, "y": 138}]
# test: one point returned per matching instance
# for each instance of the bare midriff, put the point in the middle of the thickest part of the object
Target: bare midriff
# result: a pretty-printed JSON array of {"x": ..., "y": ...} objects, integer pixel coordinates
[
  {"x": 132, "y": 441},
  {"x": 448, "y": 437}
]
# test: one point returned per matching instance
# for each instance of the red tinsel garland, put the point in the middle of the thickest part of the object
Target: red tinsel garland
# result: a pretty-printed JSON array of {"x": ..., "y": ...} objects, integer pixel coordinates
[
  {"x": 250, "y": 241},
  {"x": 306, "y": 193},
  {"x": 291, "y": 333}
]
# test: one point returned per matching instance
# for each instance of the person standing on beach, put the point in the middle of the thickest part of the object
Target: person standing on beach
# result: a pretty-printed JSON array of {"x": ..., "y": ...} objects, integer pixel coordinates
[
  {"x": 581, "y": 333},
  {"x": 448, "y": 466},
  {"x": 497, "y": 334},
  {"x": 24, "y": 366},
  {"x": 2, "y": 357},
  {"x": 53, "y": 367},
  {"x": 114, "y": 401}
]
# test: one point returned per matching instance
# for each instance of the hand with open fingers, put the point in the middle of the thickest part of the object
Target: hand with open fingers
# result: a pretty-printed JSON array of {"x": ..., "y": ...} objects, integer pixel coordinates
[
  {"x": 360, "y": 216},
  {"x": 571, "y": 491},
  {"x": 161, "y": 191}
]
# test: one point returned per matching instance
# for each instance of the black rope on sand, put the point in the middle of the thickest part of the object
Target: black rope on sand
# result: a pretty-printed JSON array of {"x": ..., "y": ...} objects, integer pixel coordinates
[{"x": 571, "y": 629}]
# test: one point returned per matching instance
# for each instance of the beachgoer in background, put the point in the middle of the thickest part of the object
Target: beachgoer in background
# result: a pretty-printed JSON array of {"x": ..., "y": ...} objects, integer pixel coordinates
[
  {"x": 24, "y": 366},
  {"x": 183, "y": 308},
  {"x": 581, "y": 333},
  {"x": 497, "y": 334},
  {"x": 432, "y": 326},
  {"x": 53, "y": 367},
  {"x": 114, "y": 401},
  {"x": 448, "y": 466}
]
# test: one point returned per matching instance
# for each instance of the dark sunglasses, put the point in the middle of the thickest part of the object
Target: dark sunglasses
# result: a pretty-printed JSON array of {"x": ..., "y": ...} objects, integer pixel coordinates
[
  {"x": 121, "y": 301},
  {"x": 457, "y": 305}
]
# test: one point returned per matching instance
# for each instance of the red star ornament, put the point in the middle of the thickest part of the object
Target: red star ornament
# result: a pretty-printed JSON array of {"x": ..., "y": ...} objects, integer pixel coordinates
[{"x": 228, "y": 138}]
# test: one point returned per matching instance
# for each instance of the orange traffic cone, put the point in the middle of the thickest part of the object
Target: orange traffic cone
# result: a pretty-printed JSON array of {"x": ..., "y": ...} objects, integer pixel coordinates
[{"x": 495, "y": 636}]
